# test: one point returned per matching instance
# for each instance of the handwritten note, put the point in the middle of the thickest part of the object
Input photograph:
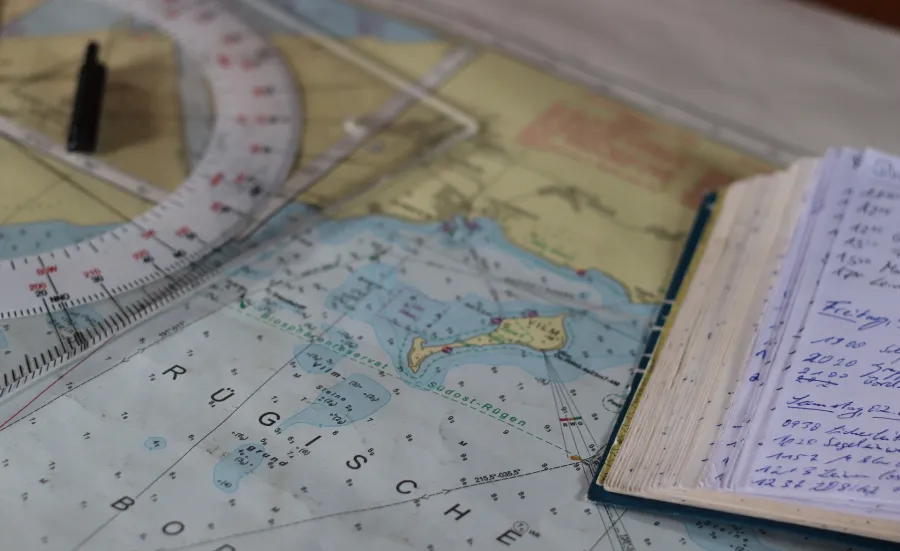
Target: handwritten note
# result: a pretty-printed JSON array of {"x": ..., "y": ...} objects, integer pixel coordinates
[
  {"x": 783, "y": 321},
  {"x": 834, "y": 424}
]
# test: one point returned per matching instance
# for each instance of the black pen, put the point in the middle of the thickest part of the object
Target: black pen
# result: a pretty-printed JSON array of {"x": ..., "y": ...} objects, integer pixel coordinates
[{"x": 85, "y": 123}]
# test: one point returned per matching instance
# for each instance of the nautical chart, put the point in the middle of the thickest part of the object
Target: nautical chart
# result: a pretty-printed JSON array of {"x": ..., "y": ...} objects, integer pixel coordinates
[{"x": 425, "y": 349}]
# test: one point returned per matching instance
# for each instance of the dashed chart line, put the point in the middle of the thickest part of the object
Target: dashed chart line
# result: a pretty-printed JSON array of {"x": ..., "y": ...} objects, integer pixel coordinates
[
  {"x": 352, "y": 354},
  {"x": 471, "y": 405},
  {"x": 474, "y": 405}
]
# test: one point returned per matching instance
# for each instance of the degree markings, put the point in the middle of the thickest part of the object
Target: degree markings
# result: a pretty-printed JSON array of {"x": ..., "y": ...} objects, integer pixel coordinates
[{"x": 255, "y": 139}]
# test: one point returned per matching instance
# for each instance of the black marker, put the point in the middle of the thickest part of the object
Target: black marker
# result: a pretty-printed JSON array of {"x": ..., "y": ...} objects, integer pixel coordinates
[{"x": 88, "y": 101}]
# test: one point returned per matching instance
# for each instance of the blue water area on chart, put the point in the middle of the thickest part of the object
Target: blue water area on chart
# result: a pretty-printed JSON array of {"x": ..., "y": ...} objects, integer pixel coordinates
[
  {"x": 155, "y": 443},
  {"x": 234, "y": 466},
  {"x": 36, "y": 237},
  {"x": 315, "y": 358},
  {"x": 82, "y": 317},
  {"x": 461, "y": 234},
  {"x": 399, "y": 313},
  {"x": 355, "y": 398}
]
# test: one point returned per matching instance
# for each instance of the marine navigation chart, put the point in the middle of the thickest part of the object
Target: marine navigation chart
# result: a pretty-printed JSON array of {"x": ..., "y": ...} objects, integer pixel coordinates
[{"x": 425, "y": 311}]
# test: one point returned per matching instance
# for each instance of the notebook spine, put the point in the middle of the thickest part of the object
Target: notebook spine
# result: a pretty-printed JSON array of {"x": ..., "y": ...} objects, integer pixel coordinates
[{"x": 687, "y": 262}]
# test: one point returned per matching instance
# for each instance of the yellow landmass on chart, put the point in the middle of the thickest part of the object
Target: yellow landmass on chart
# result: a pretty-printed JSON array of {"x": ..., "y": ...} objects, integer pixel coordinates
[
  {"x": 334, "y": 91},
  {"x": 140, "y": 128},
  {"x": 578, "y": 179},
  {"x": 541, "y": 334}
]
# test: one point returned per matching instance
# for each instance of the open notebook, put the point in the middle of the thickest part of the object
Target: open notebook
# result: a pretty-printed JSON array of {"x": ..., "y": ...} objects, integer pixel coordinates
[{"x": 771, "y": 383}]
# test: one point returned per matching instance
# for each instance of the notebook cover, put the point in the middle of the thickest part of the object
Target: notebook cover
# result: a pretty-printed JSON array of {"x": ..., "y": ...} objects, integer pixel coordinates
[{"x": 690, "y": 256}]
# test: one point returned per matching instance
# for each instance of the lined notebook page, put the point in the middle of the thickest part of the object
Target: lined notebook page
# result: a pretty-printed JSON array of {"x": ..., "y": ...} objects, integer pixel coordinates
[
  {"x": 787, "y": 309},
  {"x": 831, "y": 431},
  {"x": 717, "y": 459},
  {"x": 774, "y": 390}
]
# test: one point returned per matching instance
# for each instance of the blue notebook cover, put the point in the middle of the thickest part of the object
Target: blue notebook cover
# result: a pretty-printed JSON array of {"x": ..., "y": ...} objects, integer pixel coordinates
[{"x": 597, "y": 493}]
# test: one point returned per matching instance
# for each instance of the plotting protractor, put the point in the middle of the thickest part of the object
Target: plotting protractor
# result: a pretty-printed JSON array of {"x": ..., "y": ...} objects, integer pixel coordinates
[
  {"x": 253, "y": 146},
  {"x": 162, "y": 253},
  {"x": 167, "y": 238}
]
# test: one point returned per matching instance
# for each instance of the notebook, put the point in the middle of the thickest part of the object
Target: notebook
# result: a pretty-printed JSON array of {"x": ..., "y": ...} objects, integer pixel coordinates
[{"x": 769, "y": 392}]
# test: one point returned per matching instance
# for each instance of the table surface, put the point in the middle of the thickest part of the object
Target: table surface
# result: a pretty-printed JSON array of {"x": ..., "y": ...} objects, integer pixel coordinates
[
  {"x": 807, "y": 76},
  {"x": 878, "y": 11}
]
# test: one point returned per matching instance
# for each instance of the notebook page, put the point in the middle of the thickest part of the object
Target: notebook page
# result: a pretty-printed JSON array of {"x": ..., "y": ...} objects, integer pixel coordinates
[
  {"x": 785, "y": 349},
  {"x": 802, "y": 264},
  {"x": 777, "y": 304},
  {"x": 735, "y": 303},
  {"x": 833, "y": 431},
  {"x": 778, "y": 367},
  {"x": 730, "y": 217},
  {"x": 717, "y": 454}
]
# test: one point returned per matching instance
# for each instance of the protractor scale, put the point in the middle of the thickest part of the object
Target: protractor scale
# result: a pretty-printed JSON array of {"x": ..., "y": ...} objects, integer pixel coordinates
[
  {"x": 253, "y": 145},
  {"x": 139, "y": 267},
  {"x": 136, "y": 269}
]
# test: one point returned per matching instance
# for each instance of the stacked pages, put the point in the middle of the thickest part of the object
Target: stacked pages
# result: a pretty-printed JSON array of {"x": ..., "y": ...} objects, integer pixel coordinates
[{"x": 773, "y": 390}]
